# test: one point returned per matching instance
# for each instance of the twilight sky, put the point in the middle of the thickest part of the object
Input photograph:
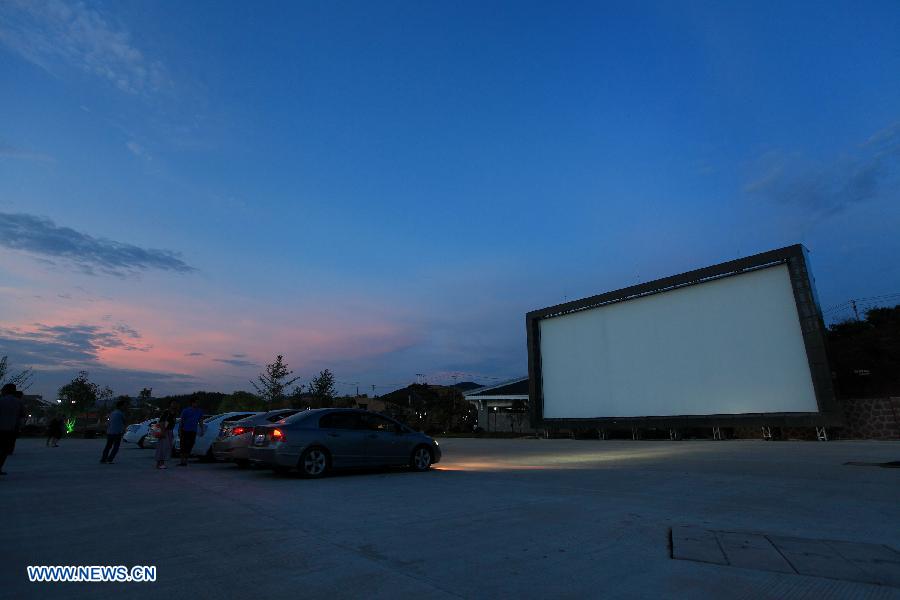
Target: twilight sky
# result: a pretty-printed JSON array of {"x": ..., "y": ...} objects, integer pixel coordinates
[{"x": 385, "y": 188}]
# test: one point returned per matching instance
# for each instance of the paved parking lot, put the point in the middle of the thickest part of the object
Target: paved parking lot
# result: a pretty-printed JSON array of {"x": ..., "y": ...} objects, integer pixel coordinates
[{"x": 497, "y": 518}]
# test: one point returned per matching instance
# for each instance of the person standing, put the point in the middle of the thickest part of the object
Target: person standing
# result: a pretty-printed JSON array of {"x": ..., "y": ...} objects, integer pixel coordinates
[
  {"x": 115, "y": 428},
  {"x": 54, "y": 430},
  {"x": 11, "y": 415},
  {"x": 166, "y": 426},
  {"x": 187, "y": 430}
]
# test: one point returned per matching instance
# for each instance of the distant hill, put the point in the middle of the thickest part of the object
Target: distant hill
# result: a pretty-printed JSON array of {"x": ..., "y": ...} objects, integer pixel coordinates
[
  {"x": 402, "y": 395},
  {"x": 423, "y": 394},
  {"x": 465, "y": 386},
  {"x": 422, "y": 388}
]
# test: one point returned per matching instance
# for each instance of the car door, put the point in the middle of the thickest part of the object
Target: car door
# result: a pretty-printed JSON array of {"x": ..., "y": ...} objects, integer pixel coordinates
[
  {"x": 385, "y": 441},
  {"x": 343, "y": 438}
]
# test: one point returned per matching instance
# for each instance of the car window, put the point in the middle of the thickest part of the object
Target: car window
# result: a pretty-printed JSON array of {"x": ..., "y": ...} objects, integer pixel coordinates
[
  {"x": 339, "y": 420},
  {"x": 236, "y": 417},
  {"x": 377, "y": 423},
  {"x": 281, "y": 415},
  {"x": 303, "y": 415}
]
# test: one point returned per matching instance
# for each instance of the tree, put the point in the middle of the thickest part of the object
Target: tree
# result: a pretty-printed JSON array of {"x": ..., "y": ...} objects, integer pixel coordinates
[
  {"x": 321, "y": 388},
  {"x": 81, "y": 394},
  {"x": 104, "y": 396},
  {"x": 144, "y": 395},
  {"x": 299, "y": 398},
  {"x": 864, "y": 355},
  {"x": 22, "y": 379},
  {"x": 273, "y": 382},
  {"x": 240, "y": 400},
  {"x": 209, "y": 402}
]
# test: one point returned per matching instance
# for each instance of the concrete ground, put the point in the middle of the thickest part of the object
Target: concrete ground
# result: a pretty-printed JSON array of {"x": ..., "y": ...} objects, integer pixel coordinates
[{"x": 497, "y": 518}]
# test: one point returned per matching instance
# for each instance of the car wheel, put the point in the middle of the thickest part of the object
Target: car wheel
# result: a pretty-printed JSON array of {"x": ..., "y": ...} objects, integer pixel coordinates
[
  {"x": 421, "y": 459},
  {"x": 314, "y": 462},
  {"x": 141, "y": 442}
]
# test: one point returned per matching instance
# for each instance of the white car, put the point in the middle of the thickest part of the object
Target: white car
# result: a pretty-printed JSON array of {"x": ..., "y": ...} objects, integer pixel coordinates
[
  {"x": 137, "y": 433},
  {"x": 210, "y": 430}
]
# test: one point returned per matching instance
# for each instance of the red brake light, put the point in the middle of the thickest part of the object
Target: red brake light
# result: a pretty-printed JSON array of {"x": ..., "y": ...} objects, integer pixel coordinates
[
  {"x": 238, "y": 430},
  {"x": 277, "y": 435}
]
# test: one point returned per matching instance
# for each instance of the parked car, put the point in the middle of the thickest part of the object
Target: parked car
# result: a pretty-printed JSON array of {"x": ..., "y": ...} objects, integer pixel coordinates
[
  {"x": 210, "y": 428},
  {"x": 236, "y": 436},
  {"x": 316, "y": 441},
  {"x": 135, "y": 434}
]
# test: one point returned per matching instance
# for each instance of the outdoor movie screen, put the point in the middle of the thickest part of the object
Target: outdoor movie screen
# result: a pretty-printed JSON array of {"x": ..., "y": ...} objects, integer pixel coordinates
[{"x": 727, "y": 346}]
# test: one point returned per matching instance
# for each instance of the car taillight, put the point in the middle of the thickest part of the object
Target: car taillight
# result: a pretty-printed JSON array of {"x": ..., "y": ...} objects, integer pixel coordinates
[
  {"x": 277, "y": 435},
  {"x": 239, "y": 430}
]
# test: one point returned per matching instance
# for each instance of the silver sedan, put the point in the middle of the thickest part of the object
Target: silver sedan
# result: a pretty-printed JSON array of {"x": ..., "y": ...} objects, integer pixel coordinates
[
  {"x": 235, "y": 437},
  {"x": 316, "y": 441}
]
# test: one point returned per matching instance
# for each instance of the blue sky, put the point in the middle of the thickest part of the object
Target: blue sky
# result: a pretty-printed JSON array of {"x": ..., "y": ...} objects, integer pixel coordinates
[{"x": 385, "y": 189}]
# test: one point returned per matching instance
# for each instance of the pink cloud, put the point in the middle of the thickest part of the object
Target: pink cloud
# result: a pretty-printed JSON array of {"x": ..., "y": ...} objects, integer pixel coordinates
[{"x": 169, "y": 331}]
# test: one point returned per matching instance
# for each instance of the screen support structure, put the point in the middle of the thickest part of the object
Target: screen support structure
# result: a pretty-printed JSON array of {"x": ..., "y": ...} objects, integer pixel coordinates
[{"x": 812, "y": 325}]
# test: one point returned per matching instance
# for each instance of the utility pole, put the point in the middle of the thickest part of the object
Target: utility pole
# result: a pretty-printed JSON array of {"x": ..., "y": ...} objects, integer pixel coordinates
[
  {"x": 855, "y": 311},
  {"x": 373, "y": 391}
]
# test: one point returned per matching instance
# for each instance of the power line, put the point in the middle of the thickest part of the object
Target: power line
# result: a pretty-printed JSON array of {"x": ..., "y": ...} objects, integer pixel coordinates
[
  {"x": 854, "y": 305},
  {"x": 836, "y": 307}
]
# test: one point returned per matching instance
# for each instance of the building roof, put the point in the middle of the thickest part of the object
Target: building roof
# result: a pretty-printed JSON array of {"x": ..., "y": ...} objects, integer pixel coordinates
[
  {"x": 37, "y": 398},
  {"x": 514, "y": 389}
]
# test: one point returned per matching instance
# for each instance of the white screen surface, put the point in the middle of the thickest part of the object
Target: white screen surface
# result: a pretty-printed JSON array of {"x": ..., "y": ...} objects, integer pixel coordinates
[{"x": 727, "y": 346}]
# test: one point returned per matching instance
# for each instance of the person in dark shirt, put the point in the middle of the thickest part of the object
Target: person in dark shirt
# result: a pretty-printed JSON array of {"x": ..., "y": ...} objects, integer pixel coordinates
[
  {"x": 166, "y": 427},
  {"x": 187, "y": 430},
  {"x": 54, "y": 430},
  {"x": 12, "y": 414}
]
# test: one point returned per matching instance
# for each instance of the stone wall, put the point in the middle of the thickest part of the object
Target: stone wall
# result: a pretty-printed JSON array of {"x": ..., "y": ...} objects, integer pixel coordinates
[
  {"x": 871, "y": 418},
  {"x": 864, "y": 419}
]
